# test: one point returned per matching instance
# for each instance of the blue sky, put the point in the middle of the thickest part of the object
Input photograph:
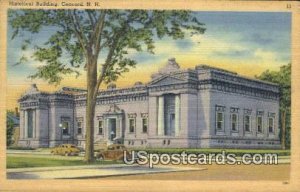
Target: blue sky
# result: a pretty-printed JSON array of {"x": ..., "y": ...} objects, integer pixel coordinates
[
  {"x": 267, "y": 31},
  {"x": 246, "y": 42}
]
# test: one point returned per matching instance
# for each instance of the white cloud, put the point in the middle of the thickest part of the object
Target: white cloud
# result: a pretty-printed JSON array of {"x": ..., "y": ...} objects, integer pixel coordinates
[{"x": 265, "y": 55}]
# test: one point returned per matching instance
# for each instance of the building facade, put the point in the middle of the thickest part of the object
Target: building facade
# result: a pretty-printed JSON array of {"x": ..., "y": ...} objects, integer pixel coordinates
[{"x": 204, "y": 107}]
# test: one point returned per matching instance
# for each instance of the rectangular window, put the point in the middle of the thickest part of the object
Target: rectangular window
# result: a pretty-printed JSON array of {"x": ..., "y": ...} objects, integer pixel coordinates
[
  {"x": 271, "y": 125},
  {"x": 259, "y": 124},
  {"x": 145, "y": 125},
  {"x": 247, "y": 123},
  {"x": 220, "y": 121},
  {"x": 234, "y": 122},
  {"x": 79, "y": 127},
  {"x": 100, "y": 127},
  {"x": 65, "y": 128},
  {"x": 131, "y": 125}
]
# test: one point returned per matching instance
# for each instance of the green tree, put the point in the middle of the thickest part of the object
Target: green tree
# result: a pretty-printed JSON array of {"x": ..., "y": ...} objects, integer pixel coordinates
[
  {"x": 283, "y": 79},
  {"x": 9, "y": 129},
  {"x": 86, "y": 36}
]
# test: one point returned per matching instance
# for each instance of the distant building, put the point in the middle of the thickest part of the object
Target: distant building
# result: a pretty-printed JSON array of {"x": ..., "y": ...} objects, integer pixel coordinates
[{"x": 204, "y": 107}]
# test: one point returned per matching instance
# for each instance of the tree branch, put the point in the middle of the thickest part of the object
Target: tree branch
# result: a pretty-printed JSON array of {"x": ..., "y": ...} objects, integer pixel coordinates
[
  {"x": 107, "y": 62},
  {"x": 79, "y": 34},
  {"x": 96, "y": 36},
  {"x": 91, "y": 18}
]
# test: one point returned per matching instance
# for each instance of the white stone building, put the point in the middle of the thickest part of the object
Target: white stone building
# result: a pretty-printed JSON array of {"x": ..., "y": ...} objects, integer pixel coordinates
[{"x": 203, "y": 107}]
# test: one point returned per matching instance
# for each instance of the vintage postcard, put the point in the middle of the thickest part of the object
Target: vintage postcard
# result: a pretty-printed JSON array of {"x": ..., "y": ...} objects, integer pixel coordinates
[{"x": 149, "y": 96}]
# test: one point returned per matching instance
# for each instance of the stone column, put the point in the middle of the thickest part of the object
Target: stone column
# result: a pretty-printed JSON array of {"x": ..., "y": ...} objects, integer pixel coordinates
[
  {"x": 120, "y": 127},
  {"x": 37, "y": 123},
  {"x": 177, "y": 115},
  {"x": 153, "y": 114},
  {"x": 161, "y": 122},
  {"x": 117, "y": 133},
  {"x": 106, "y": 130},
  {"x": 33, "y": 124},
  {"x": 26, "y": 124},
  {"x": 242, "y": 129},
  {"x": 22, "y": 127}
]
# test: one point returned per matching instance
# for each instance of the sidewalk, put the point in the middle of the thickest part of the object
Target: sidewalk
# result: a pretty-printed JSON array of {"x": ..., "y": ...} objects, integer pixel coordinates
[
  {"x": 77, "y": 167},
  {"x": 91, "y": 171},
  {"x": 31, "y": 152}
]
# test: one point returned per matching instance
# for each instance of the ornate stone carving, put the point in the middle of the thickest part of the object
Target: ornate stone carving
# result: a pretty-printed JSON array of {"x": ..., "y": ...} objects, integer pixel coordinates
[
  {"x": 32, "y": 90},
  {"x": 138, "y": 84},
  {"x": 234, "y": 110},
  {"x": 247, "y": 111},
  {"x": 80, "y": 119},
  {"x": 71, "y": 90},
  {"x": 171, "y": 66},
  {"x": 63, "y": 118},
  {"x": 166, "y": 80},
  {"x": 271, "y": 114},
  {"x": 260, "y": 113},
  {"x": 29, "y": 105},
  {"x": 114, "y": 109},
  {"x": 100, "y": 117},
  {"x": 131, "y": 115},
  {"x": 111, "y": 86},
  {"x": 237, "y": 88},
  {"x": 220, "y": 108},
  {"x": 144, "y": 115}
]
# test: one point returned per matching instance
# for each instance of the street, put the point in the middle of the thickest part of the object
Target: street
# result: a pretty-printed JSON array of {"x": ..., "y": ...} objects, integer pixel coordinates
[{"x": 278, "y": 172}]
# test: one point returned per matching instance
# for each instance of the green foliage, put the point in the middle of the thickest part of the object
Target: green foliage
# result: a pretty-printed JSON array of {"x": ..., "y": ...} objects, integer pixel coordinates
[
  {"x": 9, "y": 131},
  {"x": 82, "y": 36},
  {"x": 23, "y": 162},
  {"x": 283, "y": 79}
]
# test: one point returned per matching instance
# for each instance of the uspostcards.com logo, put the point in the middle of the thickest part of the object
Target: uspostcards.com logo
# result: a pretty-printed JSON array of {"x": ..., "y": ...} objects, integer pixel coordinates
[{"x": 144, "y": 158}]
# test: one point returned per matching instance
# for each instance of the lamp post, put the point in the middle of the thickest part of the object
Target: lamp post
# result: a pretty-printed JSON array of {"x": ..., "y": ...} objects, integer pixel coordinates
[
  {"x": 63, "y": 128},
  {"x": 60, "y": 126}
]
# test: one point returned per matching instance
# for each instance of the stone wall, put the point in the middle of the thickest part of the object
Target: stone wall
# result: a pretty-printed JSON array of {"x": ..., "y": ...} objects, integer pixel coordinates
[{"x": 198, "y": 95}]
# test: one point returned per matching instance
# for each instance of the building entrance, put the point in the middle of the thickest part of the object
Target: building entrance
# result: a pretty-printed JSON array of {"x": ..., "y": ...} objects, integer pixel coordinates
[{"x": 112, "y": 128}]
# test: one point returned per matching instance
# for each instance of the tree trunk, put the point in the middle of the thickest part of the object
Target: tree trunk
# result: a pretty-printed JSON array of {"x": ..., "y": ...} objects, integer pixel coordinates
[
  {"x": 90, "y": 110},
  {"x": 283, "y": 126}
]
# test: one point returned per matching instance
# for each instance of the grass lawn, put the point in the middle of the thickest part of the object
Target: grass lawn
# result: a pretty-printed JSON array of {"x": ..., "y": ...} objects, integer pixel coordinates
[
  {"x": 238, "y": 152},
  {"x": 23, "y": 162}
]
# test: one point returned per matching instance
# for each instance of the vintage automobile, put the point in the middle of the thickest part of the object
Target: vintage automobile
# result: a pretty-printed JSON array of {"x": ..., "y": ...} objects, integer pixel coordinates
[
  {"x": 65, "y": 149},
  {"x": 113, "y": 152}
]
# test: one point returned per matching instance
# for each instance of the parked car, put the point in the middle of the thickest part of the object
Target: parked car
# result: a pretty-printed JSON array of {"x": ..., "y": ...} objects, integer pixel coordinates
[
  {"x": 65, "y": 149},
  {"x": 113, "y": 152}
]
